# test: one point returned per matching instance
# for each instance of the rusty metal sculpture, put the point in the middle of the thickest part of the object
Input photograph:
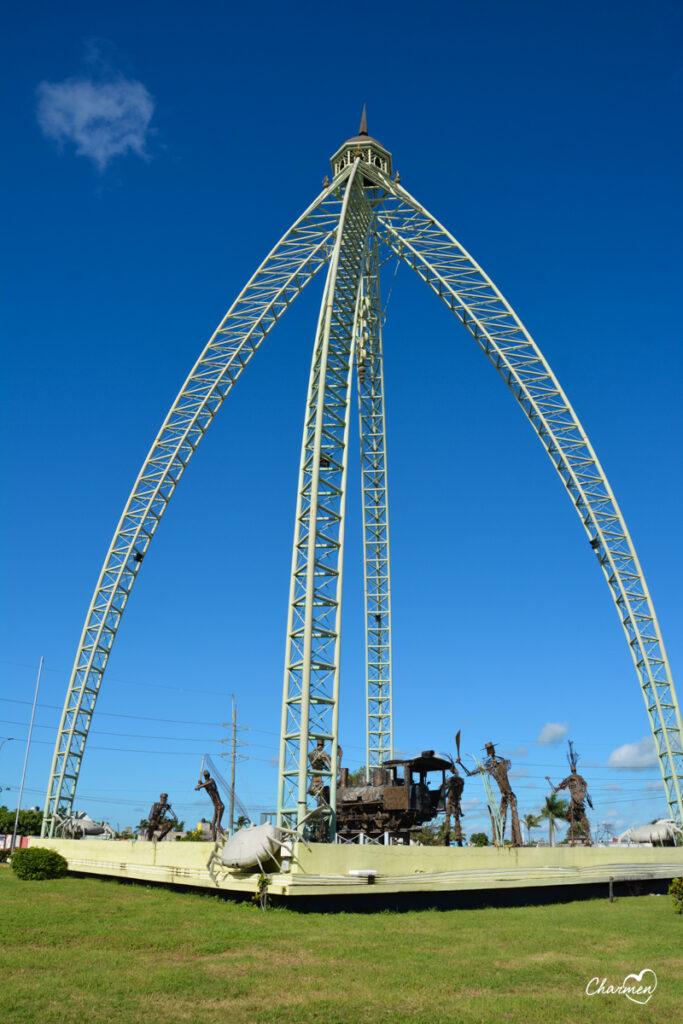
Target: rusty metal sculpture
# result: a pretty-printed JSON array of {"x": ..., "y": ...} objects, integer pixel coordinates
[
  {"x": 319, "y": 824},
  {"x": 579, "y": 826},
  {"x": 161, "y": 819},
  {"x": 453, "y": 788},
  {"x": 211, "y": 788},
  {"x": 498, "y": 767},
  {"x": 319, "y": 761}
]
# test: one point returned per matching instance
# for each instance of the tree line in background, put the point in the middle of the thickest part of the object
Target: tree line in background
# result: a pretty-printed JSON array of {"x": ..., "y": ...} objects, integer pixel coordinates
[{"x": 29, "y": 824}]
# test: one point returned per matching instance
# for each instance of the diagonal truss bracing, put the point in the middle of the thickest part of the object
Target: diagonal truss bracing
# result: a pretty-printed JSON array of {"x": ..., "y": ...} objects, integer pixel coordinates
[
  {"x": 425, "y": 245},
  {"x": 299, "y": 255},
  {"x": 373, "y": 457},
  {"x": 311, "y": 679}
]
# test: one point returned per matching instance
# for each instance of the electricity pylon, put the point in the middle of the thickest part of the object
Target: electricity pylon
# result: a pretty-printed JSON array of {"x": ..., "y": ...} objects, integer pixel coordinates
[{"x": 360, "y": 218}]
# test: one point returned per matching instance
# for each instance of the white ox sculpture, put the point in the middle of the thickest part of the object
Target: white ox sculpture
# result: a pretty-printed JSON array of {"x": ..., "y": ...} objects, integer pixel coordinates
[
  {"x": 258, "y": 845},
  {"x": 666, "y": 830},
  {"x": 79, "y": 825}
]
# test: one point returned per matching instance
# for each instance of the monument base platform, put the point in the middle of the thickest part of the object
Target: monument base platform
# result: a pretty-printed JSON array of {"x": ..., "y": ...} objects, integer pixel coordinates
[{"x": 322, "y": 876}]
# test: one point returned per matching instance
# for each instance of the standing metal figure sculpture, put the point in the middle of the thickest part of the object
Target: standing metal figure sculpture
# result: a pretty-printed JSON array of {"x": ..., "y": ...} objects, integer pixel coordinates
[
  {"x": 579, "y": 827},
  {"x": 211, "y": 788},
  {"x": 319, "y": 761},
  {"x": 453, "y": 793},
  {"x": 319, "y": 787},
  {"x": 498, "y": 768},
  {"x": 161, "y": 819}
]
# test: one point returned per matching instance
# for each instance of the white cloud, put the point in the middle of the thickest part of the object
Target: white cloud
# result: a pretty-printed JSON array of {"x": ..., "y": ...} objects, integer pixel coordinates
[
  {"x": 654, "y": 786},
  {"x": 613, "y": 786},
  {"x": 552, "y": 733},
  {"x": 103, "y": 119},
  {"x": 635, "y": 756},
  {"x": 519, "y": 773},
  {"x": 469, "y": 805}
]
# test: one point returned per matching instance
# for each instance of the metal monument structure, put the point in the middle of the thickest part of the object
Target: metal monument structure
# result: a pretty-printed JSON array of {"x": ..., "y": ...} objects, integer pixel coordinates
[{"x": 360, "y": 219}]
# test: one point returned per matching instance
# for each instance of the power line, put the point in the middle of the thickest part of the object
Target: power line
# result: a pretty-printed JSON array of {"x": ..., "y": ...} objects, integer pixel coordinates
[
  {"x": 148, "y": 736},
  {"x": 147, "y": 718},
  {"x": 133, "y": 750}
]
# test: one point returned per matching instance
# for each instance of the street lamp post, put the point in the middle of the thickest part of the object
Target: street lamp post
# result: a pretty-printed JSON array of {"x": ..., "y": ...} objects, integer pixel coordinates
[{"x": 28, "y": 744}]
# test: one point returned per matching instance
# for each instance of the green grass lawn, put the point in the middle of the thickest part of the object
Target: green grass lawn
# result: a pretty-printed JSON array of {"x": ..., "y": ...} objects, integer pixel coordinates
[{"x": 79, "y": 949}]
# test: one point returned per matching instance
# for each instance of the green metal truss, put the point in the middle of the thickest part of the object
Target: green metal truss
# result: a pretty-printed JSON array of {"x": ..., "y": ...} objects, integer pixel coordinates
[
  {"x": 311, "y": 685},
  {"x": 442, "y": 263},
  {"x": 376, "y": 561},
  {"x": 355, "y": 222},
  {"x": 294, "y": 261}
]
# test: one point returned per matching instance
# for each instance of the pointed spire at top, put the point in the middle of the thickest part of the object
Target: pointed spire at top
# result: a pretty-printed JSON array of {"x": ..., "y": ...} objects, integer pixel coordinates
[{"x": 362, "y": 146}]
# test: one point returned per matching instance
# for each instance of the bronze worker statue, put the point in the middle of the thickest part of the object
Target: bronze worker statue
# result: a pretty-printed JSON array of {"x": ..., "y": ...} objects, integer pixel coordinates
[
  {"x": 161, "y": 819},
  {"x": 320, "y": 761},
  {"x": 211, "y": 788},
  {"x": 454, "y": 786}
]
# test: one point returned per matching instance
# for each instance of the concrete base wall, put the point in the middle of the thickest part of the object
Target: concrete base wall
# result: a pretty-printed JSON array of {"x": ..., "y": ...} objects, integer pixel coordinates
[{"x": 326, "y": 870}]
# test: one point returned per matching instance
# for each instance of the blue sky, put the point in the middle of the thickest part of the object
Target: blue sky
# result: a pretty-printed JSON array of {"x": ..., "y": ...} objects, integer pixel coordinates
[{"x": 548, "y": 140}]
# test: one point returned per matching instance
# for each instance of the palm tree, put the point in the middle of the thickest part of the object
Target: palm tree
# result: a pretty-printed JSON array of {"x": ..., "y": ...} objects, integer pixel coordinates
[
  {"x": 554, "y": 808},
  {"x": 531, "y": 821}
]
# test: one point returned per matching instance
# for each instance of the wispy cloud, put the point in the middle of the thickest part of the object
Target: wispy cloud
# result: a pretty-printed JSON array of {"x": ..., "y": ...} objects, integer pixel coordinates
[
  {"x": 519, "y": 773},
  {"x": 517, "y": 752},
  {"x": 654, "y": 786},
  {"x": 637, "y": 756},
  {"x": 102, "y": 118},
  {"x": 613, "y": 786},
  {"x": 552, "y": 733},
  {"x": 469, "y": 805}
]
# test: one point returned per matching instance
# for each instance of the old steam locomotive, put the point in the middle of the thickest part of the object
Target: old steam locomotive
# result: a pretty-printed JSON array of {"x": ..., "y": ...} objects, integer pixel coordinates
[{"x": 397, "y": 799}]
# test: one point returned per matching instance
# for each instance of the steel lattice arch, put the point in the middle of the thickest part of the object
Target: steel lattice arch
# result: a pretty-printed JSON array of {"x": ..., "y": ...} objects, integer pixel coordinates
[{"x": 361, "y": 218}]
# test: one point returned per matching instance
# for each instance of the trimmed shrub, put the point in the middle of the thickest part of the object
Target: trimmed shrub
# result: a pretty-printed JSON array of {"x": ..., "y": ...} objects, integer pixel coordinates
[
  {"x": 676, "y": 894},
  {"x": 36, "y": 864}
]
